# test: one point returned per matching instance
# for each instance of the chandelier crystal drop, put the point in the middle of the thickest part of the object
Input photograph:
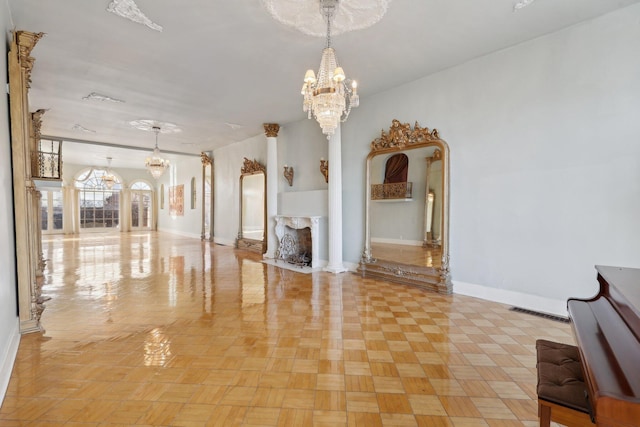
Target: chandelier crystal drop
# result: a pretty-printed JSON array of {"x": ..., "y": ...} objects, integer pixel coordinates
[
  {"x": 108, "y": 179},
  {"x": 330, "y": 97},
  {"x": 155, "y": 164}
]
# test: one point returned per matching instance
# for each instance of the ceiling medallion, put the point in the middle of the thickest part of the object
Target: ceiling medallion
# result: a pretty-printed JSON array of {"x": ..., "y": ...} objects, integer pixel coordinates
[
  {"x": 522, "y": 4},
  {"x": 151, "y": 125},
  {"x": 99, "y": 97},
  {"x": 351, "y": 15},
  {"x": 330, "y": 96},
  {"x": 128, "y": 9},
  {"x": 82, "y": 128}
]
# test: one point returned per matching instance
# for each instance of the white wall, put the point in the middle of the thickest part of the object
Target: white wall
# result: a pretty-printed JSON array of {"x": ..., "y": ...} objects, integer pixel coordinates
[
  {"x": 180, "y": 172},
  {"x": 9, "y": 326},
  {"x": 545, "y": 158},
  {"x": 227, "y": 163}
]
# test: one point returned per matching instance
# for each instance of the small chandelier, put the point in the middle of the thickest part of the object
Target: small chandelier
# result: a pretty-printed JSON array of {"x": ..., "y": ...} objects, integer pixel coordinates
[
  {"x": 330, "y": 97},
  {"x": 108, "y": 179},
  {"x": 155, "y": 164}
]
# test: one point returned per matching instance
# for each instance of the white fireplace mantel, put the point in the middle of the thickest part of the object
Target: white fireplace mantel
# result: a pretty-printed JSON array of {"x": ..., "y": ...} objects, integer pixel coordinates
[{"x": 299, "y": 222}]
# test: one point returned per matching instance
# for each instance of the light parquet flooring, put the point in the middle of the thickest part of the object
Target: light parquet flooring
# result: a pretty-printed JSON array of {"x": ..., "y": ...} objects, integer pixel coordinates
[{"x": 160, "y": 330}]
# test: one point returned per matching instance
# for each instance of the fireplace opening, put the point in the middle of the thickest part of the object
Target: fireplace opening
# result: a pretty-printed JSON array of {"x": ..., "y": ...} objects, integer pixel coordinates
[{"x": 295, "y": 246}]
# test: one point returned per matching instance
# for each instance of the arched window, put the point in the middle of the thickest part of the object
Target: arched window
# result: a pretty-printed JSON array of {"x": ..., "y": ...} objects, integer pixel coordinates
[
  {"x": 140, "y": 185},
  {"x": 99, "y": 205}
]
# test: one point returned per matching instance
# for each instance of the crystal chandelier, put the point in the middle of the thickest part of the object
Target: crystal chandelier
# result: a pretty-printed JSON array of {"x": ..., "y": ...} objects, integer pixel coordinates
[
  {"x": 155, "y": 164},
  {"x": 330, "y": 97},
  {"x": 108, "y": 179}
]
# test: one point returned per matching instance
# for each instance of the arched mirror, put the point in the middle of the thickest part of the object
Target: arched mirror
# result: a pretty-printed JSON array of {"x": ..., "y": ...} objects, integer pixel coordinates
[
  {"x": 407, "y": 208},
  {"x": 252, "y": 233}
]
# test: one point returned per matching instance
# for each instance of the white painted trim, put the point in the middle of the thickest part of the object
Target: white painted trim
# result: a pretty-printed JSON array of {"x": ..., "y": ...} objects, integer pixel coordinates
[
  {"x": 287, "y": 266},
  {"x": 516, "y": 299},
  {"x": 351, "y": 266},
  {"x": 223, "y": 241},
  {"x": 397, "y": 241},
  {"x": 7, "y": 359},
  {"x": 180, "y": 233}
]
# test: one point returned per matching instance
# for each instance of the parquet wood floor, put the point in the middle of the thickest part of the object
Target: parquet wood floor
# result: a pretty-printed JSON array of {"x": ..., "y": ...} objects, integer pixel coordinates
[{"x": 159, "y": 330}]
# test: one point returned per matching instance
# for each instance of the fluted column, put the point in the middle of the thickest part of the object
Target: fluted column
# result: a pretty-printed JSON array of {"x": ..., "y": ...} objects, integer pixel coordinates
[
  {"x": 335, "y": 264},
  {"x": 271, "y": 130},
  {"x": 26, "y": 216}
]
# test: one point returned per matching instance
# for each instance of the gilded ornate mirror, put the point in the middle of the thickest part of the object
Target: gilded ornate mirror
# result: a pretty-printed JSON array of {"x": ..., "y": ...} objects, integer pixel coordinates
[
  {"x": 407, "y": 208},
  {"x": 252, "y": 232}
]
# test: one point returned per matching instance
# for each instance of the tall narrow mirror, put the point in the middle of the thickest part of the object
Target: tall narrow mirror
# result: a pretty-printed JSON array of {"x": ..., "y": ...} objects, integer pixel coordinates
[
  {"x": 407, "y": 208},
  {"x": 252, "y": 232}
]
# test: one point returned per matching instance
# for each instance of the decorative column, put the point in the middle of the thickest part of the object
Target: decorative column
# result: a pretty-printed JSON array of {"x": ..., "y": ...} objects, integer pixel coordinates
[
  {"x": 271, "y": 130},
  {"x": 29, "y": 262},
  {"x": 335, "y": 264},
  {"x": 125, "y": 209},
  {"x": 212, "y": 200}
]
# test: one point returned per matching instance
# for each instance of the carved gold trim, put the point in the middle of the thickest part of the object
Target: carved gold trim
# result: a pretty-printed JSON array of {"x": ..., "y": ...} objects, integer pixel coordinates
[
  {"x": 271, "y": 130},
  {"x": 396, "y": 190},
  {"x": 252, "y": 166},
  {"x": 401, "y": 135},
  {"x": 26, "y": 41},
  {"x": 206, "y": 160},
  {"x": 324, "y": 169},
  {"x": 288, "y": 174},
  {"x": 36, "y": 118}
]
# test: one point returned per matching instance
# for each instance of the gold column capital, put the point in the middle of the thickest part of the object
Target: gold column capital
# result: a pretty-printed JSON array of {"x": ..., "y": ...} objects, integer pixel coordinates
[
  {"x": 26, "y": 41},
  {"x": 271, "y": 130}
]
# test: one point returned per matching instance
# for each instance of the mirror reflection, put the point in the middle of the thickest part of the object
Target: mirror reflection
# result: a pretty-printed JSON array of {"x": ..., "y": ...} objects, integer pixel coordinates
[
  {"x": 406, "y": 203},
  {"x": 407, "y": 208},
  {"x": 253, "y": 206}
]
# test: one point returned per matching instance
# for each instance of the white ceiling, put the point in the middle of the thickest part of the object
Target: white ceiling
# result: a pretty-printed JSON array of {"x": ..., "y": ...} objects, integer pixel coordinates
[{"x": 228, "y": 61}]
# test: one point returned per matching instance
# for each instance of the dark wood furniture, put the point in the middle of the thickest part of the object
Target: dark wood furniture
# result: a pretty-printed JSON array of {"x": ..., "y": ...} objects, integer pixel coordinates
[
  {"x": 561, "y": 388},
  {"x": 607, "y": 331}
]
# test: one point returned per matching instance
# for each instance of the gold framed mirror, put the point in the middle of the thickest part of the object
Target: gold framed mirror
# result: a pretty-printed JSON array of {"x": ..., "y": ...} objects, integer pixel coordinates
[
  {"x": 407, "y": 208},
  {"x": 253, "y": 207}
]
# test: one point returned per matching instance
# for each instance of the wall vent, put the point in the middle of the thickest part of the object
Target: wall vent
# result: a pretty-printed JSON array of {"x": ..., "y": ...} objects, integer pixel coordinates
[{"x": 539, "y": 314}]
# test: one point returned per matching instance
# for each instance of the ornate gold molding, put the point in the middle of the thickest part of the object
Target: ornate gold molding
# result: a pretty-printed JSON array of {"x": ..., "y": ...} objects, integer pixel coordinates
[
  {"x": 252, "y": 166},
  {"x": 271, "y": 129},
  {"x": 26, "y": 41},
  {"x": 401, "y": 135},
  {"x": 206, "y": 160},
  {"x": 324, "y": 169},
  {"x": 36, "y": 119}
]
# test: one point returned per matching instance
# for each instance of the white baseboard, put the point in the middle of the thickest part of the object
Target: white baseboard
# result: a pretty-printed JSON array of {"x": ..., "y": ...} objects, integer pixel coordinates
[
  {"x": 351, "y": 266},
  {"x": 397, "y": 241},
  {"x": 223, "y": 241},
  {"x": 7, "y": 359},
  {"x": 180, "y": 233},
  {"x": 516, "y": 299}
]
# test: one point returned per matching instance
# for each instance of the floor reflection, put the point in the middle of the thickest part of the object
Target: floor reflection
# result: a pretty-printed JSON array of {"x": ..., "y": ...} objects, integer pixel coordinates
[{"x": 158, "y": 329}]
